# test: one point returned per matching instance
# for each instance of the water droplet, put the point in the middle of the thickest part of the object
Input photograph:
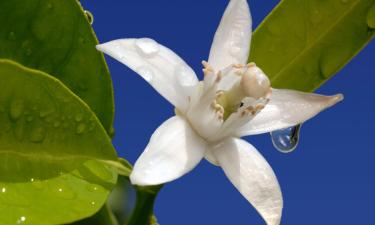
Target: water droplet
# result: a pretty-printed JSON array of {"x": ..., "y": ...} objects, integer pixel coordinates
[
  {"x": 81, "y": 40},
  {"x": 65, "y": 192},
  {"x": 83, "y": 86},
  {"x": 49, "y": 5},
  {"x": 81, "y": 128},
  {"x": 146, "y": 73},
  {"x": 3, "y": 190},
  {"x": 56, "y": 124},
  {"x": 371, "y": 17},
  {"x": 36, "y": 183},
  {"x": 147, "y": 47},
  {"x": 95, "y": 188},
  {"x": 21, "y": 220},
  {"x": 29, "y": 118},
  {"x": 89, "y": 17},
  {"x": 78, "y": 117},
  {"x": 38, "y": 135},
  {"x": 12, "y": 36},
  {"x": 45, "y": 113},
  {"x": 28, "y": 52},
  {"x": 184, "y": 76},
  {"x": 93, "y": 203},
  {"x": 286, "y": 140},
  {"x": 92, "y": 126},
  {"x": 234, "y": 49},
  {"x": 315, "y": 17},
  {"x": 16, "y": 109}
]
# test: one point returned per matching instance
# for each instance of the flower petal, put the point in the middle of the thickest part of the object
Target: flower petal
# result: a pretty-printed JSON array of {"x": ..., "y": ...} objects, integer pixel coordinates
[
  {"x": 231, "y": 43},
  {"x": 252, "y": 176},
  {"x": 174, "y": 150},
  {"x": 287, "y": 108},
  {"x": 158, "y": 65}
]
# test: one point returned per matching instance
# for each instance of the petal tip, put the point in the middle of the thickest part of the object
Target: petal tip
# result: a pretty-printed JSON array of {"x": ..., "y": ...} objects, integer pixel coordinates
[{"x": 336, "y": 99}]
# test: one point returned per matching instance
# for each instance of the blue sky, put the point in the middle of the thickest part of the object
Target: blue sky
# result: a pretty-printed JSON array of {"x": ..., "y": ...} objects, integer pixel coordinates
[{"x": 329, "y": 179}]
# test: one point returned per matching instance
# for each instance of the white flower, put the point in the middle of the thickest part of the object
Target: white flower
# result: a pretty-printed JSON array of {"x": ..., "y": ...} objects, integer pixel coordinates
[{"x": 234, "y": 100}]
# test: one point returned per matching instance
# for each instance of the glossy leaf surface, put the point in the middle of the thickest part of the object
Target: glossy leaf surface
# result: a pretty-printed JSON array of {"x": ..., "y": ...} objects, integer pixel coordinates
[
  {"x": 301, "y": 44},
  {"x": 54, "y": 152},
  {"x": 56, "y": 37}
]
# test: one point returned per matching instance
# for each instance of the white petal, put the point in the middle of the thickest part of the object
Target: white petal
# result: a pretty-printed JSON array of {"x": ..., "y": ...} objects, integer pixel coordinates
[
  {"x": 174, "y": 150},
  {"x": 158, "y": 65},
  {"x": 231, "y": 44},
  {"x": 252, "y": 176},
  {"x": 287, "y": 108}
]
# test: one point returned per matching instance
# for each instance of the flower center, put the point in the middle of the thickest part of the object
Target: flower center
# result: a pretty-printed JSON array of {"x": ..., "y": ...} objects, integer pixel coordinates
[{"x": 253, "y": 84}]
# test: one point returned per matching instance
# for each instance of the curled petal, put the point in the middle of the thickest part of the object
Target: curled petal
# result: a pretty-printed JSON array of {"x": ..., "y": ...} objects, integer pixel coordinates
[
  {"x": 252, "y": 176},
  {"x": 231, "y": 43},
  {"x": 174, "y": 150},
  {"x": 158, "y": 65},
  {"x": 287, "y": 108}
]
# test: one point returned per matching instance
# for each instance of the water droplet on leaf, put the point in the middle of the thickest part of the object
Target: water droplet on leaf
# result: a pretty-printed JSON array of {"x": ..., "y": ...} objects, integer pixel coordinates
[
  {"x": 146, "y": 73},
  {"x": 81, "y": 128},
  {"x": 38, "y": 135},
  {"x": 16, "y": 109},
  {"x": 147, "y": 47},
  {"x": 89, "y": 17},
  {"x": 65, "y": 192},
  {"x": 12, "y": 36},
  {"x": 286, "y": 140},
  {"x": 78, "y": 117},
  {"x": 315, "y": 17},
  {"x": 21, "y": 220}
]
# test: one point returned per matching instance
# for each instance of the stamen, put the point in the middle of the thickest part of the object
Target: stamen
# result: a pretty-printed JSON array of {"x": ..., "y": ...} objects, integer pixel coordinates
[{"x": 207, "y": 69}]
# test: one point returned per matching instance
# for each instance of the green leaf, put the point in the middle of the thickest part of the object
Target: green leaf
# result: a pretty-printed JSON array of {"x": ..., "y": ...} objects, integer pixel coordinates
[
  {"x": 55, "y": 37},
  {"x": 54, "y": 152},
  {"x": 103, "y": 217},
  {"x": 301, "y": 44}
]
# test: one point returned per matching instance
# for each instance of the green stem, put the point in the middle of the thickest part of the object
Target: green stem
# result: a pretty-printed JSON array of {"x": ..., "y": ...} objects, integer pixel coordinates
[{"x": 143, "y": 211}]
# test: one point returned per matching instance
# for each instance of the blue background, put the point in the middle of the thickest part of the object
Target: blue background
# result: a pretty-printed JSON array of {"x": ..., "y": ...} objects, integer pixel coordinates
[{"x": 329, "y": 179}]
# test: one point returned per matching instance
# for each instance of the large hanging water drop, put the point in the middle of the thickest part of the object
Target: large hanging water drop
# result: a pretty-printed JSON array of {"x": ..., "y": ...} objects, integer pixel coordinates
[{"x": 286, "y": 140}]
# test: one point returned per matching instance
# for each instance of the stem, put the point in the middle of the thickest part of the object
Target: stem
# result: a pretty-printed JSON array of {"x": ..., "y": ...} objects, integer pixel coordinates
[{"x": 143, "y": 211}]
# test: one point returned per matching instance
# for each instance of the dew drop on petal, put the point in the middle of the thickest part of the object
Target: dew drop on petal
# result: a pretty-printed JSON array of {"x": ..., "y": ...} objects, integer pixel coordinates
[
  {"x": 286, "y": 140},
  {"x": 184, "y": 76},
  {"x": 146, "y": 73},
  {"x": 147, "y": 47}
]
